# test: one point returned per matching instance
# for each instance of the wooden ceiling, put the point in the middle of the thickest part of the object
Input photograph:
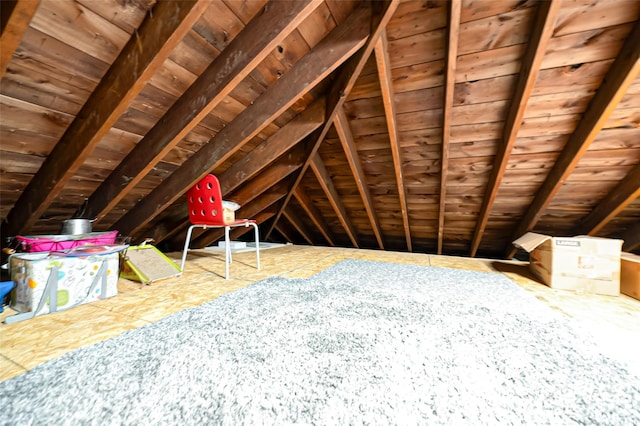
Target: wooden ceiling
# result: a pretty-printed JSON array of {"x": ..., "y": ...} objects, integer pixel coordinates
[{"x": 428, "y": 126}]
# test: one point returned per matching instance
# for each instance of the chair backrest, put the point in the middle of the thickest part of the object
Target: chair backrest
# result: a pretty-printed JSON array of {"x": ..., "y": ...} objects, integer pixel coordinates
[{"x": 205, "y": 202}]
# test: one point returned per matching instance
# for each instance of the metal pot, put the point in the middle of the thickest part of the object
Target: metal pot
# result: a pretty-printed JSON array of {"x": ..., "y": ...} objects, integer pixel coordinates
[{"x": 76, "y": 226}]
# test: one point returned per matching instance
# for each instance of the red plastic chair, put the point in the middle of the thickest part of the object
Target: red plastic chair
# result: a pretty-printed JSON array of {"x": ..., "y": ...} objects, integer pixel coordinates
[{"x": 206, "y": 211}]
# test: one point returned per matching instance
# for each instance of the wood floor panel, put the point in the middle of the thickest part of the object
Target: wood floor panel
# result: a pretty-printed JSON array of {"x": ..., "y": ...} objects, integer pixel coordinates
[{"x": 615, "y": 321}]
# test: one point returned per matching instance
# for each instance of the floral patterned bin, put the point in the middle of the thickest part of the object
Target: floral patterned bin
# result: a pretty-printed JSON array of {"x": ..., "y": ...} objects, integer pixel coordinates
[{"x": 48, "y": 282}]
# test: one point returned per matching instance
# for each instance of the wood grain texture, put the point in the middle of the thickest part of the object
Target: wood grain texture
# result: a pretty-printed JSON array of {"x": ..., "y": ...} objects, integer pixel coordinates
[
  {"x": 346, "y": 138},
  {"x": 125, "y": 79},
  {"x": 452, "y": 46},
  {"x": 624, "y": 193},
  {"x": 318, "y": 168},
  {"x": 212, "y": 86},
  {"x": 16, "y": 16},
  {"x": 544, "y": 25},
  {"x": 308, "y": 72},
  {"x": 384, "y": 74},
  {"x": 621, "y": 75},
  {"x": 342, "y": 86}
]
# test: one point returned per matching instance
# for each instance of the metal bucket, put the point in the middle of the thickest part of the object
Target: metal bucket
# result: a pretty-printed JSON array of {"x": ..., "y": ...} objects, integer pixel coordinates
[{"x": 76, "y": 226}]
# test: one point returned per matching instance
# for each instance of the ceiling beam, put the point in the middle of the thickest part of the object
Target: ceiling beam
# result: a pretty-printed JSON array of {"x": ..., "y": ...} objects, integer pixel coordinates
[
  {"x": 341, "y": 87},
  {"x": 530, "y": 68},
  {"x": 164, "y": 230},
  {"x": 298, "y": 227},
  {"x": 276, "y": 145},
  {"x": 620, "y": 76},
  {"x": 343, "y": 129},
  {"x": 334, "y": 198},
  {"x": 610, "y": 206},
  {"x": 314, "y": 214},
  {"x": 261, "y": 217},
  {"x": 246, "y": 51},
  {"x": 269, "y": 177},
  {"x": 159, "y": 34},
  {"x": 322, "y": 60},
  {"x": 16, "y": 16},
  {"x": 283, "y": 233},
  {"x": 388, "y": 96},
  {"x": 449, "y": 88}
]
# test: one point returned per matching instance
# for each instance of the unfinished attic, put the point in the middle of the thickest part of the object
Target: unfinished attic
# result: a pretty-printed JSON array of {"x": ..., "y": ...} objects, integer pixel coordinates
[
  {"x": 448, "y": 127},
  {"x": 390, "y": 153}
]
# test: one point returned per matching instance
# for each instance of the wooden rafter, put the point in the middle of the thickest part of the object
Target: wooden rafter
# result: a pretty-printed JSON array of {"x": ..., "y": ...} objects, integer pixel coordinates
[
  {"x": 620, "y": 76},
  {"x": 386, "y": 85},
  {"x": 298, "y": 227},
  {"x": 283, "y": 233},
  {"x": 334, "y": 198},
  {"x": 349, "y": 146},
  {"x": 341, "y": 87},
  {"x": 16, "y": 16},
  {"x": 260, "y": 218},
  {"x": 329, "y": 54},
  {"x": 314, "y": 214},
  {"x": 274, "y": 174},
  {"x": 530, "y": 68},
  {"x": 622, "y": 195},
  {"x": 164, "y": 230},
  {"x": 159, "y": 34},
  {"x": 449, "y": 88},
  {"x": 276, "y": 145},
  {"x": 258, "y": 39}
]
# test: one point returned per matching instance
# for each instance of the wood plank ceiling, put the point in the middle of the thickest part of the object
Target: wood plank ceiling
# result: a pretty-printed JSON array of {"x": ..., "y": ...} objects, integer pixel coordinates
[{"x": 428, "y": 126}]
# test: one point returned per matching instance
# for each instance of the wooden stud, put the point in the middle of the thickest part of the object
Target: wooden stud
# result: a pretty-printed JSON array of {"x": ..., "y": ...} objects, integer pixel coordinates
[
  {"x": 536, "y": 47},
  {"x": 328, "y": 55},
  {"x": 298, "y": 227},
  {"x": 283, "y": 233},
  {"x": 334, "y": 198},
  {"x": 16, "y": 16},
  {"x": 341, "y": 87},
  {"x": 159, "y": 34},
  {"x": 622, "y": 195},
  {"x": 621, "y": 75},
  {"x": 449, "y": 84},
  {"x": 269, "y": 177},
  {"x": 314, "y": 214},
  {"x": 260, "y": 218},
  {"x": 341, "y": 124},
  {"x": 259, "y": 38},
  {"x": 386, "y": 84},
  {"x": 279, "y": 143}
]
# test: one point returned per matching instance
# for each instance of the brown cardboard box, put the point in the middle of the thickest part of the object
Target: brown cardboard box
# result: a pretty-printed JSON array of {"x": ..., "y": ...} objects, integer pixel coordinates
[
  {"x": 583, "y": 264},
  {"x": 229, "y": 215},
  {"x": 630, "y": 275}
]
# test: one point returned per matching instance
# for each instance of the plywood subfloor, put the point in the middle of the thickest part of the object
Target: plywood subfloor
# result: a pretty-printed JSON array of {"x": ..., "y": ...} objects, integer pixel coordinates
[{"x": 613, "y": 320}]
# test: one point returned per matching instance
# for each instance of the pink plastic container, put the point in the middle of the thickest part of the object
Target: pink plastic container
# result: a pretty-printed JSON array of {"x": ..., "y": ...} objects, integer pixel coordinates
[{"x": 33, "y": 243}]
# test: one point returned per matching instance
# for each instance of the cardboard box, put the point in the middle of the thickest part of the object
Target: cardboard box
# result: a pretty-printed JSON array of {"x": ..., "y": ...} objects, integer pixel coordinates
[
  {"x": 630, "y": 275},
  {"x": 583, "y": 264},
  {"x": 229, "y": 215}
]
